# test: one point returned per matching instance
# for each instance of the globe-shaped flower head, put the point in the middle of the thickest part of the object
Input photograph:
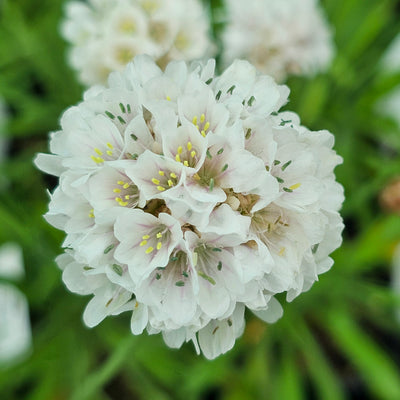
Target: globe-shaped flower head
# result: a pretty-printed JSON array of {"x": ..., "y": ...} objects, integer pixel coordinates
[
  {"x": 187, "y": 197},
  {"x": 106, "y": 34},
  {"x": 279, "y": 37}
]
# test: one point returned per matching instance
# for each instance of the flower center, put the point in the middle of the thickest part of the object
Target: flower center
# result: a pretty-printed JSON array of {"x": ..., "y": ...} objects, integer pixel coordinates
[
  {"x": 153, "y": 241},
  {"x": 201, "y": 124},
  {"x": 165, "y": 180},
  {"x": 186, "y": 155},
  {"x": 99, "y": 156},
  {"x": 126, "y": 194}
]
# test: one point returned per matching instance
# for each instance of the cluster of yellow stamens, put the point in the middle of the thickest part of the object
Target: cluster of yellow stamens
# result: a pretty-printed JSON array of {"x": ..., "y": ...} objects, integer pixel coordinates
[
  {"x": 150, "y": 249},
  {"x": 190, "y": 154},
  {"x": 98, "y": 159},
  {"x": 164, "y": 181},
  {"x": 122, "y": 200},
  {"x": 201, "y": 124}
]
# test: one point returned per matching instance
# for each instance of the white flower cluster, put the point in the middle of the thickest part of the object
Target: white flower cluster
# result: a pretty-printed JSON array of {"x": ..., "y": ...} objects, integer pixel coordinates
[
  {"x": 187, "y": 197},
  {"x": 15, "y": 329},
  {"x": 106, "y": 34},
  {"x": 389, "y": 105},
  {"x": 278, "y": 37}
]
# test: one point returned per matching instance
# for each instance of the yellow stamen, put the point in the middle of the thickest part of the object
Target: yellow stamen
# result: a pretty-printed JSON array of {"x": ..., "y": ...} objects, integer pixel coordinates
[
  {"x": 159, "y": 245},
  {"x": 149, "y": 250},
  {"x": 109, "y": 153},
  {"x": 189, "y": 146},
  {"x": 202, "y": 118},
  {"x": 126, "y": 185},
  {"x": 197, "y": 177},
  {"x": 127, "y": 197},
  {"x": 170, "y": 183},
  {"x": 193, "y": 153},
  {"x": 203, "y": 133},
  {"x": 143, "y": 243},
  {"x": 146, "y": 237},
  {"x": 160, "y": 188},
  {"x": 159, "y": 235},
  {"x": 110, "y": 146},
  {"x": 177, "y": 158},
  {"x": 180, "y": 150},
  {"x": 172, "y": 175},
  {"x": 161, "y": 173},
  {"x": 116, "y": 190},
  {"x": 185, "y": 163},
  {"x": 194, "y": 120},
  {"x": 118, "y": 199},
  {"x": 91, "y": 213},
  {"x": 295, "y": 186},
  {"x": 282, "y": 251},
  {"x": 168, "y": 98},
  {"x": 155, "y": 181},
  {"x": 97, "y": 160},
  {"x": 121, "y": 182},
  {"x": 206, "y": 126},
  {"x": 98, "y": 151}
]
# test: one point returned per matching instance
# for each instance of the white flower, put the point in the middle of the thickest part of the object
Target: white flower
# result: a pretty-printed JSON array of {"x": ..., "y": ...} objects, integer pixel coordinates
[
  {"x": 187, "y": 197},
  {"x": 15, "y": 329},
  {"x": 278, "y": 37},
  {"x": 105, "y": 35}
]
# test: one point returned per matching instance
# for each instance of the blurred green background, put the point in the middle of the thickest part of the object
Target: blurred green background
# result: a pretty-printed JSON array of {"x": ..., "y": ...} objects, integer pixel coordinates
[{"x": 340, "y": 340}]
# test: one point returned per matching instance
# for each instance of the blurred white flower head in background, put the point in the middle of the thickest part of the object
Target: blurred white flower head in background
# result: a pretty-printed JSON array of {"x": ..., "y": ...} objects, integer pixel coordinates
[
  {"x": 187, "y": 197},
  {"x": 15, "y": 330},
  {"x": 280, "y": 38},
  {"x": 106, "y": 34},
  {"x": 389, "y": 105}
]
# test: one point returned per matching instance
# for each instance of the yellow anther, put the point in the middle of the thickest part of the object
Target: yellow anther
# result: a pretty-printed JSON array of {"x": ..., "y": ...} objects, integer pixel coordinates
[
  {"x": 121, "y": 182},
  {"x": 155, "y": 181},
  {"x": 127, "y": 197},
  {"x": 159, "y": 245},
  {"x": 110, "y": 146},
  {"x": 143, "y": 243},
  {"x": 116, "y": 190},
  {"x": 91, "y": 213},
  {"x": 197, "y": 177},
  {"x": 193, "y": 153},
  {"x": 189, "y": 146},
  {"x": 145, "y": 237},
  {"x": 136, "y": 305},
  {"x": 185, "y": 163},
  {"x": 180, "y": 150},
  {"x": 202, "y": 118},
  {"x": 203, "y": 133},
  {"x": 168, "y": 98},
  {"x": 177, "y": 158},
  {"x": 109, "y": 152},
  {"x": 123, "y": 203},
  {"x": 295, "y": 186},
  {"x": 170, "y": 183},
  {"x": 159, "y": 235},
  {"x": 206, "y": 126},
  {"x": 282, "y": 251},
  {"x": 149, "y": 250},
  {"x": 194, "y": 120},
  {"x": 161, "y": 173},
  {"x": 98, "y": 151},
  {"x": 160, "y": 188},
  {"x": 172, "y": 175},
  {"x": 97, "y": 160},
  {"x": 126, "y": 185}
]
